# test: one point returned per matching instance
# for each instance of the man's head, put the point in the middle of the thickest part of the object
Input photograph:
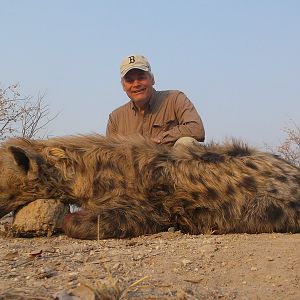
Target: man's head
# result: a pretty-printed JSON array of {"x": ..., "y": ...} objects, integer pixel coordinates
[
  {"x": 137, "y": 79},
  {"x": 134, "y": 62}
]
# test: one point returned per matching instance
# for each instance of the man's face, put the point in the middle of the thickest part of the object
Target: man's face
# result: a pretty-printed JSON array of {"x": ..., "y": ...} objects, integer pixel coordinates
[{"x": 138, "y": 86}]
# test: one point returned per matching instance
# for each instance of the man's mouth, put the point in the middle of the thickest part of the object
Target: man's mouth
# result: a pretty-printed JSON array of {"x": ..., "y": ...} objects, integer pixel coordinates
[{"x": 139, "y": 91}]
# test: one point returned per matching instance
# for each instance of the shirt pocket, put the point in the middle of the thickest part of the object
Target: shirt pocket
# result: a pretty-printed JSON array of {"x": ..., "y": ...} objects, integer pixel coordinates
[{"x": 164, "y": 126}]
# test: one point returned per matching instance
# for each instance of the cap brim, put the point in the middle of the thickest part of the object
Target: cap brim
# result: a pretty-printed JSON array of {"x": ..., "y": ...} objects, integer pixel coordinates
[{"x": 143, "y": 68}]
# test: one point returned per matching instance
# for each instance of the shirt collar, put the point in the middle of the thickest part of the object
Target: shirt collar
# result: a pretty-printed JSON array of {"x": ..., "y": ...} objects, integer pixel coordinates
[
  {"x": 152, "y": 99},
  {"x": 150, "y": 103}
]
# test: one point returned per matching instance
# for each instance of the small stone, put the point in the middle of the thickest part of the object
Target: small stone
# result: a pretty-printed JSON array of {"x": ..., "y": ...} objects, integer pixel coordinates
[
  {"x": 12, "y": 255},
  {"x": 171, "y": 229},
  {"x": 35, "y": 253},
  {"x": 73, "y": 276},
  {"x": 181, "y": 295},
  {"x": 116, "y": 266},
  {"x": 186, "y": 262},
  {"x": 253, "y": 269},
  {"x": 45, "y": 273}
]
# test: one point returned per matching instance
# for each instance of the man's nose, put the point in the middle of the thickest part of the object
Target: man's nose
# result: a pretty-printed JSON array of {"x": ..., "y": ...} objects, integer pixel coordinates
[{"x": 136, "y": 82}]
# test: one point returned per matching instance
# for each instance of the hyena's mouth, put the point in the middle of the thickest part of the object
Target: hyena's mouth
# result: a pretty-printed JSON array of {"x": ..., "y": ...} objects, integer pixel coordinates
[
  {"x": 3, "y": 213},
  {"x": 13, "y": 210}
]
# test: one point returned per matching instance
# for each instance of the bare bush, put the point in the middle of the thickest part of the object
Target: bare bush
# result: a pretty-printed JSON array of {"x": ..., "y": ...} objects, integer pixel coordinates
[
  {"x": 290, "y": 148},
  {"x": 22, "y": 116}
]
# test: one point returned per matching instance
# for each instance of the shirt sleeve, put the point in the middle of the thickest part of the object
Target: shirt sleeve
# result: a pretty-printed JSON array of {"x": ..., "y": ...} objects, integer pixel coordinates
[
  {"x": 189, "y": 122},
  {"x": 110, "y": 127}
]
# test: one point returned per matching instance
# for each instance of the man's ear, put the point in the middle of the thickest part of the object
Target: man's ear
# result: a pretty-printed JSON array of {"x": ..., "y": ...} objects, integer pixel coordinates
[
  {"x": 27, "y": 163},
  {"x": 122, "y": 83}
]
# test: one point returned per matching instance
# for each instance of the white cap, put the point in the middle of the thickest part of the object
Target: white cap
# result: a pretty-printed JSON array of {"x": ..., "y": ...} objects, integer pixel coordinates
[{"x": 134, "y": 61}]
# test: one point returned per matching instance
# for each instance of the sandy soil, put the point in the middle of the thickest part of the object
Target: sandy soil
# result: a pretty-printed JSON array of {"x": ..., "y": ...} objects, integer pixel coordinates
[{"x": 169, "y": 265}]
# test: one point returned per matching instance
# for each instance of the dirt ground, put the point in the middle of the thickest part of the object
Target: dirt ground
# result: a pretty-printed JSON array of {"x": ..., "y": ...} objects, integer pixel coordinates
[{"x": 169, "y": 265}]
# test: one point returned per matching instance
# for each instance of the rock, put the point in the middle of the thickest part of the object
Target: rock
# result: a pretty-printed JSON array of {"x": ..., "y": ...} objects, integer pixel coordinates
[
  {"x": 64, "y": 295},
  {"x": 84, "y": 293},
  {"x": 42, "y": 217}
]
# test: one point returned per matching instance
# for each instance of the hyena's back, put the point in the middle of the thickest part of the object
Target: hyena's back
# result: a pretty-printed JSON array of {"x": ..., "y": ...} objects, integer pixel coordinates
[{"x": 232, "y": 188}]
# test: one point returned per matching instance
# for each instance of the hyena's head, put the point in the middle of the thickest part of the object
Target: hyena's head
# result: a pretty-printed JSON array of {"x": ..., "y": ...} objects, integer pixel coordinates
[{"x": 19, "y": 177}]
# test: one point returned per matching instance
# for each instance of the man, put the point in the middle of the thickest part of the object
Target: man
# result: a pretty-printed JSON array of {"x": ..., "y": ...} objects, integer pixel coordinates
[{"x": 166, "y": 117}]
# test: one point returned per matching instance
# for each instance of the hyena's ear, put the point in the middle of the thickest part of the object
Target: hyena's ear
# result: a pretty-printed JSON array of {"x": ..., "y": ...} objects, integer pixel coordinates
[{"x": 26, "y": 162}]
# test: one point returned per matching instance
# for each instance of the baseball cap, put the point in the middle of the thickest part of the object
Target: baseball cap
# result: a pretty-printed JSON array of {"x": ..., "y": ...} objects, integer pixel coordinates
[{"x": 134, "y": 61}]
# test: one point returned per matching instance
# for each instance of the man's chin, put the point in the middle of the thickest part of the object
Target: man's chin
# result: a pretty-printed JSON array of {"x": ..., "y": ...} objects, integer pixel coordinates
[{"x": 140, "y": 100}]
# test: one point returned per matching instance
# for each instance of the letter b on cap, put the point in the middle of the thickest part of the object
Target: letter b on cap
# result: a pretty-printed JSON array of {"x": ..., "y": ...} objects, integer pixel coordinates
[{"x": 131, "y": 59}]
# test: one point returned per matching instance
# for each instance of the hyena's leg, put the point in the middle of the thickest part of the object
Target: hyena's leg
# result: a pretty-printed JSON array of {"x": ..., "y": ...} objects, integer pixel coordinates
[{"x": 116, "y": 218}]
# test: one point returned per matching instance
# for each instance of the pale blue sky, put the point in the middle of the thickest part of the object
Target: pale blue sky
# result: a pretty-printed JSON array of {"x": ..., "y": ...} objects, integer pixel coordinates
[{"x": 237, "y": 61}]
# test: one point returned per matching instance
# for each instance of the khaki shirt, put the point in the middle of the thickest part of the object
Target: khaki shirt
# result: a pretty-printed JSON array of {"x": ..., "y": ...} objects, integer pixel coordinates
[{"x": 169, "y": 116}]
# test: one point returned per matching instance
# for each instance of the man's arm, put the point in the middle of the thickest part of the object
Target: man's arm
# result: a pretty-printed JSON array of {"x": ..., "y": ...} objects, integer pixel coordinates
[
  {"x": 110, "y": 127},
  {"x": 190, "y": 123}
]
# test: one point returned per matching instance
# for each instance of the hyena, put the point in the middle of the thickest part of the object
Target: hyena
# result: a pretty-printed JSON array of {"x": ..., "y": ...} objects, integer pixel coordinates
[{"x": 127, "y": 187}]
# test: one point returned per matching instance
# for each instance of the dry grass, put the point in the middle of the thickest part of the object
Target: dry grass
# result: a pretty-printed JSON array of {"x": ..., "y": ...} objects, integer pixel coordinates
[{"x": 108, "y": 288}]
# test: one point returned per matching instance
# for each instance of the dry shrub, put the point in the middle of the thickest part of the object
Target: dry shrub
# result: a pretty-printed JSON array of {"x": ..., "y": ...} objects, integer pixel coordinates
[
  {"x": 290, "y": 148},
  {"x": 24, "y": 116}
]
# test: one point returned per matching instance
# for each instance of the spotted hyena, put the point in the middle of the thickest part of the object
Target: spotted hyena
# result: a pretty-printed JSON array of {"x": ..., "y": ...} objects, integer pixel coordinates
[{"x": 129, "y": 187}]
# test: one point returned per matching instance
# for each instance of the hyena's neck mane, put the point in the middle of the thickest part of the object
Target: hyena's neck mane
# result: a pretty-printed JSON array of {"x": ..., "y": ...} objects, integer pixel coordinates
[
  {"x": 94, "y": 165},
  {"x": 83, "y": 155}
]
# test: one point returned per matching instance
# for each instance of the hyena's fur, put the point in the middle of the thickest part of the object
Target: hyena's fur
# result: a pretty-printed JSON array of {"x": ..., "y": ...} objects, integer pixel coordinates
[{"x": 128, "y": 188}]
